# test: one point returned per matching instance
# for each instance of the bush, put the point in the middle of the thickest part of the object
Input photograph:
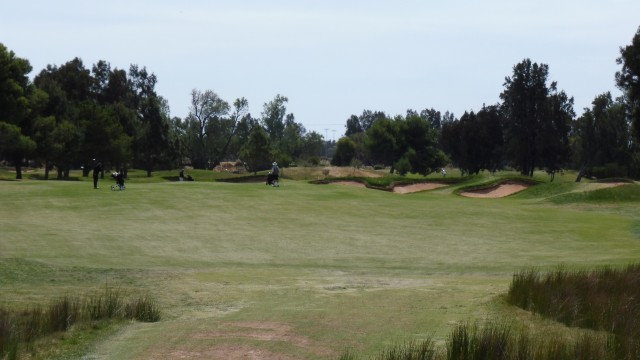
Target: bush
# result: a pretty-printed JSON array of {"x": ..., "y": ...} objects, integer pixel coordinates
[{"x": 403, "y": 166}]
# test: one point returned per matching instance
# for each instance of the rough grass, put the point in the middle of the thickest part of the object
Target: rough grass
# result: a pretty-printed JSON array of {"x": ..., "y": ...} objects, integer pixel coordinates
[
  {"x": 20, "y": 329},
  {"x": 606, "y": 299},
  {"x": 326, "y": 267}
]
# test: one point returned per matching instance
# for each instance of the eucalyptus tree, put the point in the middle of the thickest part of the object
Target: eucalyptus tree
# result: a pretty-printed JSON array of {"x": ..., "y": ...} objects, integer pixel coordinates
[
  {"x": 291, "y": 145},
  {"x": 205, "y": 115},
  {"x": 273, "y": 118},
  {"x": 229, "y": 128}
]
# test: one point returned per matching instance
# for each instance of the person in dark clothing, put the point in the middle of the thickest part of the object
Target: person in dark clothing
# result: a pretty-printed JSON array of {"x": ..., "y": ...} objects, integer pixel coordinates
[{"x": 97, "y": 169}]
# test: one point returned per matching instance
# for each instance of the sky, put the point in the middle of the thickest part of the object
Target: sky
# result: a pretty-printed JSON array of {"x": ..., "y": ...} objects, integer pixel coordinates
[{"x": 332, "y": 58}]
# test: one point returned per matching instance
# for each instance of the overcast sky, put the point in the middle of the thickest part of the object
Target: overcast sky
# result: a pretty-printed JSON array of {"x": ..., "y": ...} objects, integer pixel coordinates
[{"x": 332, "y": 58}]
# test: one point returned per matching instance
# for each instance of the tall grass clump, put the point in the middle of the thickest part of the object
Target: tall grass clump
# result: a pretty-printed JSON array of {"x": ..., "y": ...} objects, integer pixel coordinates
[
  {"x": 143, "y": 309},
  {"x": 500, "y": 341},
  {"x": 607, "y": 299},
  {"x": 22, "y": 328},
  {"x": 8, "y": 336},
  {"x": 472, "y": 342},
  {"x": 412, "y": 350},
  {"x": 61, "y": 315}
]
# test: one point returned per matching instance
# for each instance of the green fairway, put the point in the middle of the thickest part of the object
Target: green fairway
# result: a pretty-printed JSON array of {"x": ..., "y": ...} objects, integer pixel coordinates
[{"x": 302, "y": 271}]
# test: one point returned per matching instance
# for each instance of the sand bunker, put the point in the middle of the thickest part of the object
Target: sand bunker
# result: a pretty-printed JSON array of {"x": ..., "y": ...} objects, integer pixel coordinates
[
  {"x": 350, "y": 183},
  {"x": 405, "y": 189},
  {"x": 502, "y": 190},
  {"x": 400, "y": 189}
]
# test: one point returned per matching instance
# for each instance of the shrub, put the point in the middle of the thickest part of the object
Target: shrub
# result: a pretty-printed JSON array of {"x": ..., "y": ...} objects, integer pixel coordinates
[{"x": 403, "y": 166}]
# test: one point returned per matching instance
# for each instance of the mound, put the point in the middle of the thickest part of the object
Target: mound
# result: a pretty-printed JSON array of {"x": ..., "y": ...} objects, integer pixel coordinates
[{"x": 498, "y": 191}]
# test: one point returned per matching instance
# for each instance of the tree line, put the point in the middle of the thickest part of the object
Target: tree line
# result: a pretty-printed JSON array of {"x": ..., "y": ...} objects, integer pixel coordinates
[
  {"x": 533, "y": 127},
  {"x": 70, "y": 114}
]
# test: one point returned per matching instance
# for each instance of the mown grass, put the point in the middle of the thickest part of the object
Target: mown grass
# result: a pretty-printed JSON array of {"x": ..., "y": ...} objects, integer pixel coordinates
[
  {"x": 329, "y": 267},
  {"x": 628, "y": 193}
]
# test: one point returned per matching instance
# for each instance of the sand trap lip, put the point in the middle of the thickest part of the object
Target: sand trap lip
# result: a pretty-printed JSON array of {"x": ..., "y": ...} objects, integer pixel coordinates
[
  {"x": 498, "y": 191},
  {"x": 405, "y": 189}
]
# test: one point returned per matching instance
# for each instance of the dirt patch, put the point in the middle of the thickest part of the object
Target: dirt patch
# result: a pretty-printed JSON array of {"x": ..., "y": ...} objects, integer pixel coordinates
[
  {"x": 498, "y": 191},
  {"x": 405, "y": 189},
  {"x": 265, "y": 331},
  {"x": 257, "y": 331},
  {"x": 229, "y": 352}
]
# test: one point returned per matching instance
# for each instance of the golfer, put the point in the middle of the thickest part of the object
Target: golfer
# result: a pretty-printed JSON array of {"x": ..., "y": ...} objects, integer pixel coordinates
[{"x": 97, "y": 168}]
